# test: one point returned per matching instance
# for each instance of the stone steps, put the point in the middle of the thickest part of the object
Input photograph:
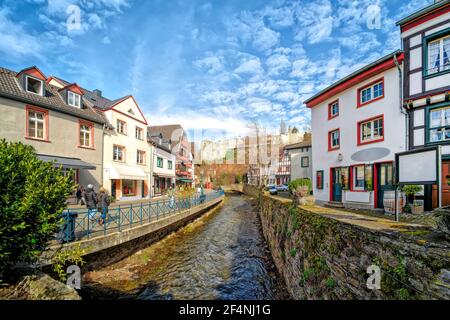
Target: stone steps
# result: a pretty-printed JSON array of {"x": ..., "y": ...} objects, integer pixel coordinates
[{"x": 334, "y": 204}]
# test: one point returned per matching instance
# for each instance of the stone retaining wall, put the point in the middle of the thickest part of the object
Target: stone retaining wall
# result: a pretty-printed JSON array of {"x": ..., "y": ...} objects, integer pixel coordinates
[{"x": 324, "y": 258}]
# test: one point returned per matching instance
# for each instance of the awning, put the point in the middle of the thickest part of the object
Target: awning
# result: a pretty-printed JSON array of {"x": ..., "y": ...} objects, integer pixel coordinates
[
  {"x": 69, "y": 163},
  {"x": 118, "y": 172},
  {"x": 184, "y": 180}
]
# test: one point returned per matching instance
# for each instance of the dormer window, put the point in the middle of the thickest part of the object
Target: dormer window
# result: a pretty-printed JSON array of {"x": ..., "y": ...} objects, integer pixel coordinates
[
  {"x": 34, "y": 85},
  {"x": 73, "y": 99}
]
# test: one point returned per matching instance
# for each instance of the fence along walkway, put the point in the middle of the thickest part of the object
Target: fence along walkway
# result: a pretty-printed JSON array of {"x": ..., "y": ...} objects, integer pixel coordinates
[{"x": 78, "y": 225}]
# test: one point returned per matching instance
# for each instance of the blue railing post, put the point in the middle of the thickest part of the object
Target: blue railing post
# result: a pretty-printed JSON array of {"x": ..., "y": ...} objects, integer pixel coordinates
[
  {"x": 131, "y": 214},
  {"x": 141, "y": 211},
  {"x": 119, "y": 218},
  {"x": 157, "y": 209}
]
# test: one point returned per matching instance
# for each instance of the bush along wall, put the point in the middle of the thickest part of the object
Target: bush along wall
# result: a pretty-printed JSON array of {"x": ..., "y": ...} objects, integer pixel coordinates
[{"x": 323, "y": 258}]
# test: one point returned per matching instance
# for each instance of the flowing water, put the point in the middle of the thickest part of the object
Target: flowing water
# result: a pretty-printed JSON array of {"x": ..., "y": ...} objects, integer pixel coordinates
[{"x": 222, "y": 255}]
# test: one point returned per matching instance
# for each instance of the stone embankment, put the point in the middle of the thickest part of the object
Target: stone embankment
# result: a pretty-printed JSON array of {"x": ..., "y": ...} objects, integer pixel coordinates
[{"x": 324, "y": 253}]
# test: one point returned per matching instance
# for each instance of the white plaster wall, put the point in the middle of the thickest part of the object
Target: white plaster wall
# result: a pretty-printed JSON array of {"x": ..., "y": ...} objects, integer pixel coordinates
[
  {"x": 414, "y": 41},
  {"x": 419, "y": 117},
  {"x": 426, "y": 25},
  {"x": 415, "y": 83},
  {"x": 349, "y": 116},
  {"x": 415, "y": 58},
  {"x": 297, "y": 171},
  {"x": 437, "y": 82}
]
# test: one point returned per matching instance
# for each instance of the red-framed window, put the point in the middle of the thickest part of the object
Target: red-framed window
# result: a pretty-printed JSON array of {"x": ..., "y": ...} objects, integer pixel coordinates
[
  {"x": 371, "y": 92},
  {"x": 319, "y": 179},
  {"x": 333, "y": 109},
  {"x": 37, "y": 124},
  {"x": 371, "y": 130},
  {"x": 361, "y": 177},
  {"x": 85, "y": 134},
  {"x": 334, "y": 139}
]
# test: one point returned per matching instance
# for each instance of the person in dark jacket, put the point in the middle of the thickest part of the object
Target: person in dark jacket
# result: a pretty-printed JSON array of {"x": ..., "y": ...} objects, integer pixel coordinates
[
  {"x": 90, "y": 198},
  {"x": 80, "y": 191},
  {"x": 103, "y": 203}
]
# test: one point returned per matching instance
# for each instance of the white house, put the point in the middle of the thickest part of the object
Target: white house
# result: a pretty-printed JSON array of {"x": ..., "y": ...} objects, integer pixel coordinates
[
  {"x": 426, "y": 89},
  {"x": 300, "y": 155},
  {"x": 163, "y": 165},
  {"x": 362, "y": 111}
]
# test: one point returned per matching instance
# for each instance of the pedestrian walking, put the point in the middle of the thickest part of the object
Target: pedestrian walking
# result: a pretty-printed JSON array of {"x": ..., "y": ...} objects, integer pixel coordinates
[
  {"x": 171, "y": 195},
  {"x": 104, "y": 201},
  {"x": 80, "y": 191},
  {"x": 90, "y": 198}
]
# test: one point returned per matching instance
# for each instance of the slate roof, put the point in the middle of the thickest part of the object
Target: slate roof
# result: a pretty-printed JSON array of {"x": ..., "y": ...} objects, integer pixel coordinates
[
  {"x": 171, "y": 132},
  {"x": 99, "y": 102},
  {"x": 11, "y": 89},
  {"x": 303, "y": 144}
]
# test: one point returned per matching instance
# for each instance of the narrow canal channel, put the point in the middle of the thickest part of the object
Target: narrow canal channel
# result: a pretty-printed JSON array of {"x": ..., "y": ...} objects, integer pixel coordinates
[{"x": 222, "y": 255}]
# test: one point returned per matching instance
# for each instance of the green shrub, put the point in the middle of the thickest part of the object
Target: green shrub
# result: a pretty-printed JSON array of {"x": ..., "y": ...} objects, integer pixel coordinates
[
  {"x": 33, "y": 195},
  {"x": 300, "y": 182},
  {"x": 64, "y": 258}
]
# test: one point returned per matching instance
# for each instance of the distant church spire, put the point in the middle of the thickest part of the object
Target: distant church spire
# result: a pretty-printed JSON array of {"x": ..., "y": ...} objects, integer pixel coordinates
[{"x": 283, "y": 129}]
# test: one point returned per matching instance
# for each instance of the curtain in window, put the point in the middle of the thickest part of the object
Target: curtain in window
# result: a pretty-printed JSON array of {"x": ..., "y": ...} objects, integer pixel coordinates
[
  {"x": 434, "y": 59},
  {"x": 446, "y": 52}
]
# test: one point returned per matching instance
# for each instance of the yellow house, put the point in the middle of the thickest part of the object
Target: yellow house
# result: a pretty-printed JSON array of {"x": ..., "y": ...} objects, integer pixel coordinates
[{"x": 126, "y": 151}]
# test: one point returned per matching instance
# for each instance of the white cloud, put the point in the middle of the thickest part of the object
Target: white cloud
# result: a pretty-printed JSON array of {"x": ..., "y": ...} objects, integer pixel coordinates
[
  {"x": 15, "y": 41},
  {"x": 249, "y": 66},
  {"x": 277, "y": 64},
  {"x": 192, "y": 121},
  {"x": 314, "y": 21},
  {"x": 212, "y": 64}
]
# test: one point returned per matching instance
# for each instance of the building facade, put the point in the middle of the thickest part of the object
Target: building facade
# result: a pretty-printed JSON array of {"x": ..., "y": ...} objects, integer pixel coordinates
[
  {"x": 283, "y": 173},
  {"x": 57, "y": 121},
  {"x": 300, "y": 155},
  {"x": 126, "y": 152},
  {"x": 426, "y": 87},
  {"x": 181, "y": 148},
  {"x": 163, "y": 165},
  {"x": 358, "y": 125}
]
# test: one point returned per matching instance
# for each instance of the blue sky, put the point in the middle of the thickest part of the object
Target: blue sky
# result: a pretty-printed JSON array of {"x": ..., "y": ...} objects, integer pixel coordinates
[{"x": 212, "y": 65}]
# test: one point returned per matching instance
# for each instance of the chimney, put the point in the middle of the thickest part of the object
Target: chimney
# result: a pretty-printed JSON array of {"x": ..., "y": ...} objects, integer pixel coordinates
[{"x": 98, "y": 93}]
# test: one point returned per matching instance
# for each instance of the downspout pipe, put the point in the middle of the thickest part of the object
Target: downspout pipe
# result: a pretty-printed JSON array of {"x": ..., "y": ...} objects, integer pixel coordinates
[{"x": 400, "y": 81}]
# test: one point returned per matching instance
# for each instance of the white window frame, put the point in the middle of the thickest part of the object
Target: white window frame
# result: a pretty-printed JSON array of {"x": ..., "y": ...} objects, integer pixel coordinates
[
  {"x": 354, "y": 177},
  {"x": 332, "y": 139},
  {"x": 141, "y": 133},
  {"x": 333, "y": 105},
  {"x": 443, "y": 126},
  {"x": 116, "y": 153},
  {"x": 372, "y": 92},
  {"x": 41, "y": 93},
  {"x": 372, "y": 130},
  {"x": 76, "y": 99},
  {"x": 32, "y": 116},
  {"x": 87, "y": 135},
  {"x": 140, "y": 157},
  {"x": 431, "y": 69},
  {"x": 123, "y": 126}
]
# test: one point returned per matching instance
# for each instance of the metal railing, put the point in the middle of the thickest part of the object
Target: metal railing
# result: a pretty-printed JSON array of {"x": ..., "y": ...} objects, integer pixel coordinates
[{"x": 79, "y": 225}]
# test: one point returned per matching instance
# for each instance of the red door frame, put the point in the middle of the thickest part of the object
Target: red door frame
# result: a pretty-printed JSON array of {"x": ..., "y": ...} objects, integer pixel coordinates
[{"x": 375, "y": 180}]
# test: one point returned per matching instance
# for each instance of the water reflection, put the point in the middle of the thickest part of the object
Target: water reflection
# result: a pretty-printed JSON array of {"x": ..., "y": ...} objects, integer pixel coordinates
[{"x": 221, "y": 256}]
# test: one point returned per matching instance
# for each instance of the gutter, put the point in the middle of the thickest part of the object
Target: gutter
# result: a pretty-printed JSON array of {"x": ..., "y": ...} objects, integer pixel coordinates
[{"x": 401, "y": 100}]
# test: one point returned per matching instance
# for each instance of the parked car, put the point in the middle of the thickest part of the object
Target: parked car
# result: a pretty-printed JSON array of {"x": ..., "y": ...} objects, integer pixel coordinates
[
  {"x": 282, "y": 187},
  {"x": 273, "y": 190},
  {"x": 269, "y": 186}
]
